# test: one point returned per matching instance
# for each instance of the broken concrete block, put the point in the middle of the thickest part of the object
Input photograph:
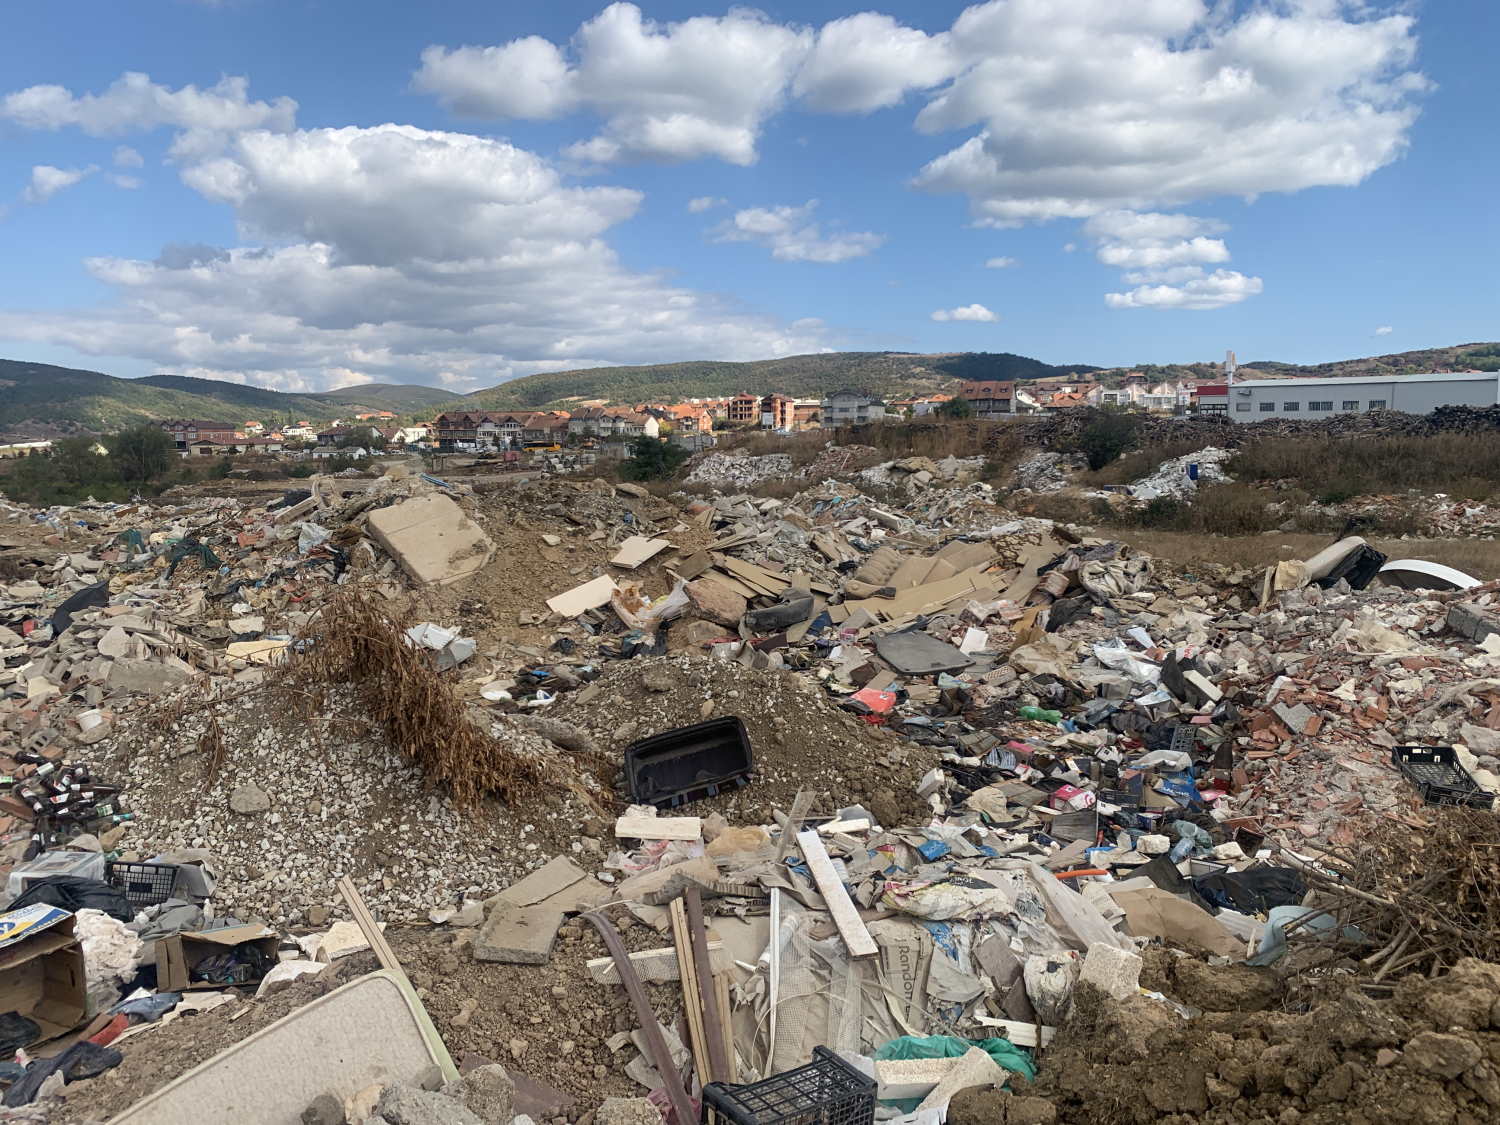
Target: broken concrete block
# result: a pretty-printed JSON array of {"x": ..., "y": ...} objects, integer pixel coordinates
[
  {"x": 144, "y": 677},
  {"x": 703, "y": 871},
  {"x": 692, "y": 634},
  {"x": 489, "y": 1093},
  {"x": 401, "y": 1104},
  {"x": 284, "y": 973},
  {"x": 1111, "y": 970},
  {"x": 342, "y": 939},
  {"x": 249, "y": 800},
  {"x": 431, "y": 539},
  {"x": 1472, "y": 622},
  {"x": 556, "y": 875},
  {"x": 519, "y": 935},
  {"x": 716, "y": 602}
]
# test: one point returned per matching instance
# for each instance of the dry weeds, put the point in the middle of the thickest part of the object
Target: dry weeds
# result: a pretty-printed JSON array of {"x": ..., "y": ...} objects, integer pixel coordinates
[
  {"x": 1477, "y": 557},
  {"x": 358, "y": 641}
]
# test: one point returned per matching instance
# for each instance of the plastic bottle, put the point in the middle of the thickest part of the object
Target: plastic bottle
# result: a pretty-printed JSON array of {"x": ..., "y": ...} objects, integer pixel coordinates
[{"x": 1040, "y": 715}]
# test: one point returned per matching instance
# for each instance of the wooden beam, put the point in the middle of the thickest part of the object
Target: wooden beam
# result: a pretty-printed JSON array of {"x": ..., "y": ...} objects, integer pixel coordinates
[
  {"x": 840, "y": 905},
  {"x": 692, "y": 1003},
  {"x": 367, "y": 926},
  {"x": 659, "y": 827}
]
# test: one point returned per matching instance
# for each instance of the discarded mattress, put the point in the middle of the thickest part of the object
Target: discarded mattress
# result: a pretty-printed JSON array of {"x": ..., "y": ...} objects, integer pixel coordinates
[{"x": 372, "y": 1030}]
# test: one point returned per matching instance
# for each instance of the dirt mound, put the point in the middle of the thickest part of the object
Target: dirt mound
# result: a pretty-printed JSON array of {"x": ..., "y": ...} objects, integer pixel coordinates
[
  {"x": 800, "y": 738},
  {"x": 1425, "y": 1055}
]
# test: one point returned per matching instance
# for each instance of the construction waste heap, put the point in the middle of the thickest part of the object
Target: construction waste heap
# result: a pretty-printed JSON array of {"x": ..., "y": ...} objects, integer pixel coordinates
[{"x": 397, "y": 801}]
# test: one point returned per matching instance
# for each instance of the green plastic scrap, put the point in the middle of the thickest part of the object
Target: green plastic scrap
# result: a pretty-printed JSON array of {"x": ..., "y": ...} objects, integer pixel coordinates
[
  {"x": 132, "y": 539},
  {"x": 1003, "y": 1051}
]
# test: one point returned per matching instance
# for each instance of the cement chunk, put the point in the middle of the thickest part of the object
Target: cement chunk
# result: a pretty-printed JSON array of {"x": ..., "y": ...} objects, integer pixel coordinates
[{"x": 431, "y": 539}]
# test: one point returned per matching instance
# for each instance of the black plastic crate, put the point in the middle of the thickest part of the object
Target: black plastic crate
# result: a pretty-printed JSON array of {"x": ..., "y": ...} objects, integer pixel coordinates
[
  {"x": 1435, "y": 771},
  {"x": 827, "y": 1091},
  {"x": 144, "y": 884},
  {"x": 689, "y": 763}
]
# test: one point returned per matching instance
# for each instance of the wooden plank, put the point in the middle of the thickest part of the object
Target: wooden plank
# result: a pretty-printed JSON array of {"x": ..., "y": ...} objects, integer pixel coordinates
[
  {"x": 591, "y": 595},
  {"x": 659, "y": 827},
  {"x": 1021, "y": 1034},
  {"x": 753, "y": 575},
  {"x": 840, "y": 906},
  {"x": 726, "y": 1028},
  {"x": 367, "y": 925},
  {"x": 694, "y": 565},
  {"x": 692, "y": 1004},
  {"x": 727, "y": 580}
]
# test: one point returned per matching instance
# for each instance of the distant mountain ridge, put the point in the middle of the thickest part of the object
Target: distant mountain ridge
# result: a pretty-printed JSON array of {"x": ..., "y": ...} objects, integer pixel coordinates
[{"x": 39, "y": 400}]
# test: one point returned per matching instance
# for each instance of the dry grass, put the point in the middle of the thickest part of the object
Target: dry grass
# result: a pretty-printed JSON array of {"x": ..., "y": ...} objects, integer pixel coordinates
[
  {"x": 1478, "y": 557},
  {"x": 1422, "y": 901},
  {"x": 358, "y": 641},
  {"x": 1463, "y": 465},
  {"x": 1139, "y": 463}
]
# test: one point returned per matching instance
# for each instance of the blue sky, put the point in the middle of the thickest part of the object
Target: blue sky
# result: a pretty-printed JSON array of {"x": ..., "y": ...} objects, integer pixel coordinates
[{"x": 311, "y": 194}]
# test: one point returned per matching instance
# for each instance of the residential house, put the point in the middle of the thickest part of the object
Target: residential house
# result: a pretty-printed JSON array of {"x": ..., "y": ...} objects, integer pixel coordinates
[
  {"x": 807, "y": 413},
  {"x": 690, "y": 416},
  {"x": 850, "y": 408},
  {"x": 213, "y": 447},
  {"x": 254, "y": 429},
  {"x": 918, "y": 407},
  {"x": 343, "y": 435},
  {"x": 302, "y": 431},
  {"x": 612, "y": 421},
  {"x": 743, "y": 410},
  {"x": 990, "y": 397},
  {"x": 778, "y": 412},
  {"x": 1064, "y": 400},
  {"x": 375, "y": 415},
  {"x": 694, "y": 441},
  {"x": 186, "y": 431}
]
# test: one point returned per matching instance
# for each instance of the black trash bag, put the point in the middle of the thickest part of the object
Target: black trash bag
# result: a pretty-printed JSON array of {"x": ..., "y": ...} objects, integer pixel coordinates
[
  {"x": 243, "y": 964},
  {"x": 1254, "y": 891},
  {"x": 89, "y": 597},
  {"x": 81, "y": 1060},
  {"x": 16, "y": 1031},
  {"x": 69, "y": 892}
]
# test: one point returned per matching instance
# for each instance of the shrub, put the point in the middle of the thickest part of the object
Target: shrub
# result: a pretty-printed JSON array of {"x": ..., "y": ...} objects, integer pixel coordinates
[
  {"x": 1107, "y": 435},
  {"x": 651, "y": 459}
]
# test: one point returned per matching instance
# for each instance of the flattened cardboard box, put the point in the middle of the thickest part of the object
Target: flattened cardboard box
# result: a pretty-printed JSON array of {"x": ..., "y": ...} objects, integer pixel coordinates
[
  {"x": 177, "y": 954},
  {"x": 41, "y": 969}
]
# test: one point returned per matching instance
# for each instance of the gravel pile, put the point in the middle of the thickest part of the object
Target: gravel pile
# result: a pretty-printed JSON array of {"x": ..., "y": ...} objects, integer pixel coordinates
[
  {"x": 323, "y": 798},
  {"x": 725, "y": 470}
]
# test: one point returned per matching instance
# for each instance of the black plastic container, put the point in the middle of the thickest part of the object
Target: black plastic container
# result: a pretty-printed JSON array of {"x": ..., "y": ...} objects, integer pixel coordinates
[
  {"x": 827, "y": 1091},
  {"x": 1435, "y": 771},
  {"x": 689, "y": 763},
  {"x": 144, "y": 884}
]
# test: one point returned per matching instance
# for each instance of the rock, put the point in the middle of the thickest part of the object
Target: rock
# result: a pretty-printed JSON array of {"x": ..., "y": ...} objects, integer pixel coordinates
[
  {"x": 489, "y": 1094},
  {"x": 317, "y": 915},
  {"x": 471, "y": 913},
  {"x": 1116, "y": 972},
  {"x": 716, "y": 602},
  {"x": 1446, "y": 1056},
  {"x": 324, "y": 1110},
  {"x": 658, "y": 678},
  {"x": 691, "y": 634},
  {"x": 284, "y": 973},
  {"x": 627, "y": 1111},
  {"x": 145, "y": 677},
  {"x": 249, "y": 799},
  {"x": 405, "y": 1105}
]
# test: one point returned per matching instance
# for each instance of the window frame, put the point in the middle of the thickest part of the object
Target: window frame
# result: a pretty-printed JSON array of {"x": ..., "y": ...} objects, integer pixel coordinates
[{"x": 1292, "y": 407}]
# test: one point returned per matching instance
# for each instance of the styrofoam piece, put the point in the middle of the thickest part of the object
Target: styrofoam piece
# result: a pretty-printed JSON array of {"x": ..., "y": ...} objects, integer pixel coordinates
[{"x": 372, "y": 1030}]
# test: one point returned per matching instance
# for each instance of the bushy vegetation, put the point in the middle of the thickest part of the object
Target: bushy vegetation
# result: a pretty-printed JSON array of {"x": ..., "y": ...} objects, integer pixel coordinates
[
  {"x": 652, "y": 459},
  {"x": 1462, "y": 465},
  {"x": 1107, "y": 435},
  {"x": 141, "y": 459},
  {"x": 1132, "y": 466}
]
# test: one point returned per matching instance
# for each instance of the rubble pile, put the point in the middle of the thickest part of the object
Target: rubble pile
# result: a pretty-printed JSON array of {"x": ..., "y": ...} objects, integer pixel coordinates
[
  {"x": 1047, "y": 471},
  {"x": 901, "y": 776},
  {"x": 1182, "y": 476}
]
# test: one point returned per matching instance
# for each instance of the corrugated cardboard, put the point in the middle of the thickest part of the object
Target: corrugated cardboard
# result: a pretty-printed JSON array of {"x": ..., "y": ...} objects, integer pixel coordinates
[
  {"x": 41, "y": 968},
  {"x": 176, "y": 955}
]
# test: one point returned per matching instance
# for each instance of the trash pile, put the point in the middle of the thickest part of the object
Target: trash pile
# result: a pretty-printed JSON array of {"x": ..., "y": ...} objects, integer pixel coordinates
[
  {"x": 1181, "y": 476},
  {"x": 908, "y": 795}
]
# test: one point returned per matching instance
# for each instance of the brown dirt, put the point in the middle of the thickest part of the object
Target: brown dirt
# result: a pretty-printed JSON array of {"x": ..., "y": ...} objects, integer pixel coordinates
[
  {"x": 799, "y": 737},
  {"x": 1429, "y": 1055}
]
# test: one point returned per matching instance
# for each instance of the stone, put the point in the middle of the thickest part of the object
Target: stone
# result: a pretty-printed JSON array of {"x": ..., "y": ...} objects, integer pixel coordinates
[
  {"x": 405, "y": 1105},
  {"x": 1111, "y": 970},
  {"x": 691, "y": 634},
  {"x": 431, "y": 539},
  {"x": 489, "y": 1094},
  {"x": 284, "y": 973},
  {"x": 658, "y": 678},
  {"x": 627, "y": 1111},
  {"x": 324, "y": 1110},
  {"x": 317, "y": 915},
  {"x": 115, "y": 643},
  {"x": 1472, "y": 622},
  {"x": 1446, "y": 1056},
  {"x": 342, "y": 939},
  {"x": 144, "y": 677},
  {"x": 249, "y": 800},
  {"x": 716, "y": 602}
]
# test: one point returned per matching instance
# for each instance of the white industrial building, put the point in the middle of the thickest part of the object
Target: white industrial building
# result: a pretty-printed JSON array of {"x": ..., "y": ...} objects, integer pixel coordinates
[{"x": 1258, "y": 400}]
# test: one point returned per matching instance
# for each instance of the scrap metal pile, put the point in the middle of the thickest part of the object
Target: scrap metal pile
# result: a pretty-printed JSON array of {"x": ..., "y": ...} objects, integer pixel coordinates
[{"x": 1095, "y": 758}]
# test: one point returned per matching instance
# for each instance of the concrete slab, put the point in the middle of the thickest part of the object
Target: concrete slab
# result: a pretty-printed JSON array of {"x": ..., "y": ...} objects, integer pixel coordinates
[
  {"x": 371, "y": 1031},
  {"x": 557, "y": 874},
  {"x": 431, "y": 539}
]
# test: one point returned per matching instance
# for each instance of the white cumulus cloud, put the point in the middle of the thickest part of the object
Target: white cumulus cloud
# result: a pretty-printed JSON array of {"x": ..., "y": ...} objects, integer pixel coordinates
[
  {"x": 1384, "y": 330},
  {"x": 1001, "y": 263},
  {"x": 47, "y": 181},
  {"x": 975, "y": 312},
  {"x": 400, "y": 255},
  {"x": 677, "y": 91},
  {"x": 1195, "y": 290},
  {"x": 792, "y": 236},
  {"x": 870, "y": 61},
  {"x": 705, "y": 203},
  {"x": 127, "y": 157}
]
